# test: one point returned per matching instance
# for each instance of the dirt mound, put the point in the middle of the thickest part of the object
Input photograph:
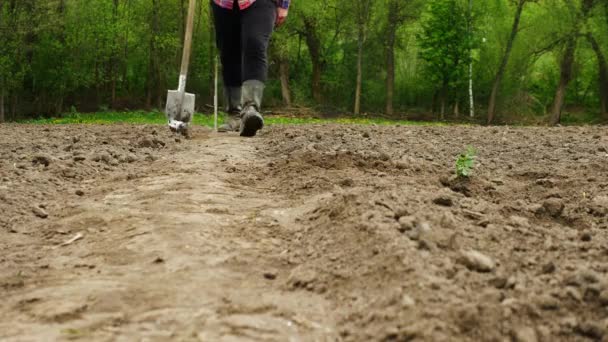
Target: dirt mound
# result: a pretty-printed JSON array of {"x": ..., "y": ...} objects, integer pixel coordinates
[
  {"x": 42, "y": 163},
  {"x": 410, "y": 252}
]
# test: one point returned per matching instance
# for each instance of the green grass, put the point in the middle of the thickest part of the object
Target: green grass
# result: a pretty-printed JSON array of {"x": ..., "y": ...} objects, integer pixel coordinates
[{"x": 141, "y": 117}]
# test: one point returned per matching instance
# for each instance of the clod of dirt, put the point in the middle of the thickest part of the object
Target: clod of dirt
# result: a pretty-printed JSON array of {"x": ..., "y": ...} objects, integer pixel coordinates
[
  {"x": 12, "y": 282},
  {"x": 42, "y": 159},
  {"x": 603, "y": 298},
  {"x": 128, "y": 158},
  {"x": 270, "y": 275},
  {"x": 546, "y": 302},
  {"x": 574, "y": 293},
  {"x": 302, "y": 278},
  {"x": 592, "y": 330},
  {"x": 519, "y": 221},
  {"x": 545, "y": 182},
  {"x": 39, "y": 212},
  {"x": 499, "y": 282},
  {"x": 407, "y": 301},
  {"x": 420, "y": 230},
  {"x": 554, "y": 207},
  {"x": 444, "y": 200},
  {"x": 524, "y": 334},
  {"x": 586, "y": 236},
  {"x": 599, "y": 206},
  {"x": 79, "y": 193},
  {"x": 78, "y": 157},
  {"x": 468, "y": 317},
  {"x": 583, "y": 277},
  {"x": 475, "y": 261},
  {"x": 102, "y": 157},
  {"x": 426, "y": 244},
  {"x": 151, "y": 143},
  {"x": 448, "y": 220},
  {"x": 407, "y": 223},
  {"x": 548, "y": 268},
  {"x": 347, "y": 182}
]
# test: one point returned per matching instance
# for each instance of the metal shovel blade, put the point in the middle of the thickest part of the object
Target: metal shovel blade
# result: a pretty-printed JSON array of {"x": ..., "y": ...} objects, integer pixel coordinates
[{"x": 179, "y": 120}]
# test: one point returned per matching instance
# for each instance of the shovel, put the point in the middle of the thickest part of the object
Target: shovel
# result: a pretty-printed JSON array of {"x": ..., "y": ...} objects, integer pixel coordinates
[{"x": 180, "y": 105}]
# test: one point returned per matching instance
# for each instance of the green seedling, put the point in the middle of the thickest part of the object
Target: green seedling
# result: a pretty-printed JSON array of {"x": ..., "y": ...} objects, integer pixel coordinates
[{"x": 465, "y": 163}]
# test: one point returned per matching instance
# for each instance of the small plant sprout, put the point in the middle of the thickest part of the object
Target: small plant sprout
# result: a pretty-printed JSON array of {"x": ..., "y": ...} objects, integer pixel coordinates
[{"x": 465, "y": 163}]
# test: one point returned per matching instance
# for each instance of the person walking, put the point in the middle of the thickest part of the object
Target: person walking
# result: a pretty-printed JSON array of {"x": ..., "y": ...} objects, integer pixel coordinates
[{"x": 243, "y": 30}]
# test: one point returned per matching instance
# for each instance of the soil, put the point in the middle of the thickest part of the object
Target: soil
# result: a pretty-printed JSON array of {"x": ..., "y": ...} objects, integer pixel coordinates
[{"x": 305, "y": 233}]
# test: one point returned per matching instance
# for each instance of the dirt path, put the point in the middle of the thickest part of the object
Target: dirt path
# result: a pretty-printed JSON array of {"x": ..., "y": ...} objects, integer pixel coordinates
[{"x": 303, "y": 234}]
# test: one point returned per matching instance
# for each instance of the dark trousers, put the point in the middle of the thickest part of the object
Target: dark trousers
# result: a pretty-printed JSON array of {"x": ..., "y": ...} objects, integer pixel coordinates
[{"x": 242, "y": 38}]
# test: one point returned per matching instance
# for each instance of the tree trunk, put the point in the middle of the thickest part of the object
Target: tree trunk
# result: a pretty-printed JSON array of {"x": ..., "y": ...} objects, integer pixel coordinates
[
  {"x": 390, "y": 73},
  {"x": 470, "y": 29},
  {"x": 359, "y": 71},
  {"x": 14, "y": 104},
  {"x": 443, "y": 99},
  {"x": 59, "y": 105},
  {"x": 314, "y": 48},
  {"x": 2, "y": 116},
  {"x": 153, "y": 70},
  {"x": 505, "y": 61},
  {"x": 394, "y": 19},
  {"x": 114, "y": 59},
  {"x": 603, "y": 75},
  {"x": 125, "y": 65},
  {"x": 565, "y": 77},
  {"x": 456, "y": 110},
  {"x": 363, "y": 17},
  {"x": 284, "y": 75}
]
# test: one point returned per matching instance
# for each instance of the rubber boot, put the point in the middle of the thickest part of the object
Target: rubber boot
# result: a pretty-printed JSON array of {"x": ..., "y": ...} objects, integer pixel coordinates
[
  {"x": 251, "y": 119},
  {"x": 232, "y": 101}
]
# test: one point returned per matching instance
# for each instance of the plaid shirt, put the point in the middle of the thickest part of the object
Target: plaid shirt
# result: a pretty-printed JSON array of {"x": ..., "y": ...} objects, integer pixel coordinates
[{"x": 243, "y": 4}]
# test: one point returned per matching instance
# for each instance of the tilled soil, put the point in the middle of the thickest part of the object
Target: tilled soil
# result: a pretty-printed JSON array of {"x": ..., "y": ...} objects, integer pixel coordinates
[{"x": 307, "y": 233}]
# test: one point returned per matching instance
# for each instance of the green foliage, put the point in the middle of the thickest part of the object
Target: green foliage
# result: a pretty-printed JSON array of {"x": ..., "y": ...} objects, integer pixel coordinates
[
  {"x": 203, "y": 119},
  {"x": 445, "y": 42},
  {"x": 116, "y": 55},
  {"x": 466, "y": 163}
]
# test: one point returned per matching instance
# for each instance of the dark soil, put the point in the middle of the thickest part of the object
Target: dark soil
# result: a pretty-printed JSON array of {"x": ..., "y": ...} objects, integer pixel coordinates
[{"x": 313, "y": 233}]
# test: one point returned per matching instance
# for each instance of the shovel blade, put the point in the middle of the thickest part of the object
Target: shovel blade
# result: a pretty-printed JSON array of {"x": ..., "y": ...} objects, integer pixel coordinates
[{"x": 172, "y": 108}]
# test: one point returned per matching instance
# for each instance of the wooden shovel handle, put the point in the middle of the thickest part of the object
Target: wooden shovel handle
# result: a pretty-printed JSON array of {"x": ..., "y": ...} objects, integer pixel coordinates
[{"x": 187, "y": 45}]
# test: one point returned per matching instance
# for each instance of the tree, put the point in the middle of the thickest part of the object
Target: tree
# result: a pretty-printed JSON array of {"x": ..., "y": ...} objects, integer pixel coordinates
[
  {"x": 396, "y": 16},
  {"x": 602, "y": 75},
  {"x": 363, "y": 16},
  {"x": 568, "y": 58},
  {"x": 505, "y": 59},
  {"x": 445, "y": 45}
]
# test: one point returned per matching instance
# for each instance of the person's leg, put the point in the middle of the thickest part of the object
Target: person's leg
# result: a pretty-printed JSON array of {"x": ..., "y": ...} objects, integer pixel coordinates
[
  {"x": 228, "y": 39},
  {"x": 257, "y": 24}
]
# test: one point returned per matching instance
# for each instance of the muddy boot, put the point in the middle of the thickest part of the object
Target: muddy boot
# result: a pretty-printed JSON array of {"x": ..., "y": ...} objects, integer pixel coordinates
[
  {"x": 232, "y": 99},
  {"x": 251, "y": 119}
]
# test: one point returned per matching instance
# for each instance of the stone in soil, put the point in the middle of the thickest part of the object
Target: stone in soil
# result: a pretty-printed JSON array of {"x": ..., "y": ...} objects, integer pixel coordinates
[
  {"x": 39, "y": 212},
  {"x": 524, "y": 334},
  {"x": 477, "y": 261},
  {"x": 407, "y": 301}
]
